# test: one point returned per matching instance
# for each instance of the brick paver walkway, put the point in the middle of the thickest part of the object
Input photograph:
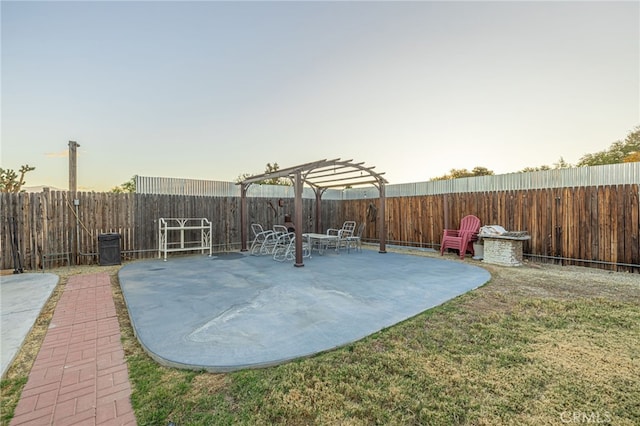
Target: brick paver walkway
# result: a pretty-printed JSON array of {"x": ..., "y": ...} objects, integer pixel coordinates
[{"x": 79, "y": 376}]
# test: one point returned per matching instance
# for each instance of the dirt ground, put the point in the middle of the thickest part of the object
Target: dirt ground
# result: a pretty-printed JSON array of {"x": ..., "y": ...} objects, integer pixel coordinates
[{"x": 546, "y": 280}]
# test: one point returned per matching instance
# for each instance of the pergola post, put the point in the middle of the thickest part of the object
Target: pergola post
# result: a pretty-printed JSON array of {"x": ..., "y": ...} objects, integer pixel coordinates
[
  {"x": 243, "y": 216},
  {"x": 383, "y": 221},
  {"x": 297, "y": 206},
  {"x": 318, "y": 192}
]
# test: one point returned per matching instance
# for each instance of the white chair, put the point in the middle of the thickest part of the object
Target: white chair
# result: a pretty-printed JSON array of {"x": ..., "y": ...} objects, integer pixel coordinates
[
  {"x": 259, "y": 237},
  {"x": 280, "y": 229},
  {"x": 356, "y": 240},
  {"x": 285, "y": 248},
  {"x": 271, "y": 241},
  {"x": 343, "y": 233}
]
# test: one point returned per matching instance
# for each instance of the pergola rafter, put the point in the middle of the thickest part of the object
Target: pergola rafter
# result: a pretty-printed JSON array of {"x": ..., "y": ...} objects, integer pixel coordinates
[{"x": 319, "y": 175}]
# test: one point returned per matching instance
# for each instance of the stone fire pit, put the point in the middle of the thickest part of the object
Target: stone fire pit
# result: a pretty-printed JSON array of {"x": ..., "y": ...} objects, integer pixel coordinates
[{"x": 504, "y": 248}]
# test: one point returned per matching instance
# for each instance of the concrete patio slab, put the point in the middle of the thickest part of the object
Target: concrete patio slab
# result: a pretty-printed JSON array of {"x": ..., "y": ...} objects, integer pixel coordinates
[
  {"x": 236, "y": 311},
  {"x": 23, "y": 297}
]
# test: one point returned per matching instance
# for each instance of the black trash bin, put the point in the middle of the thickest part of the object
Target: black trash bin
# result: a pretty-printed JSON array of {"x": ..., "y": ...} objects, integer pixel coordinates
[{"x": 109, "y": 249}]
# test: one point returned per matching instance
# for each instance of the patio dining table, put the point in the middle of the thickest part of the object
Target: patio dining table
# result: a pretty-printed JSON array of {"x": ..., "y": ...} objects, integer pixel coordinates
[{"x": 321, "y": 241}]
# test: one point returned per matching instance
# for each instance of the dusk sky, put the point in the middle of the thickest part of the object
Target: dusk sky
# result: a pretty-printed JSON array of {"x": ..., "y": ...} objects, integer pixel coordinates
[{"x": 212, "y": 90}]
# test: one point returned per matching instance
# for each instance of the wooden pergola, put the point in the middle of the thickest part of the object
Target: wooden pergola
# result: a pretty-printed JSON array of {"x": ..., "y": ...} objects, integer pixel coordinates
[{"x": 320, "y": 176}]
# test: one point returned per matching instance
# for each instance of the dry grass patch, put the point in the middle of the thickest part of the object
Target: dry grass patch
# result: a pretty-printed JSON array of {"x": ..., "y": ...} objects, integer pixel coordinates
[{"x": 580, "y": 356}]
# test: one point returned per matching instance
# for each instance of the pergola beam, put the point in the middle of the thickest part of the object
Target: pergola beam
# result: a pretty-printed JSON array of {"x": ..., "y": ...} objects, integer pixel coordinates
[
  {"x": 333, "y": 169},
  {"x": 288, "y": 172},
  {"x": 342, "y": 185},
  {"x": 330, "y": 173}
]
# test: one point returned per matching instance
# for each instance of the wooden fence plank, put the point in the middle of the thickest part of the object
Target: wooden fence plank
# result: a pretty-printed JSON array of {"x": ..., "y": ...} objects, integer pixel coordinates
[
  {"x": 633, "y": 225},
  {"x": 603, "y": 224},
  {"x": 620, "y": 200}
]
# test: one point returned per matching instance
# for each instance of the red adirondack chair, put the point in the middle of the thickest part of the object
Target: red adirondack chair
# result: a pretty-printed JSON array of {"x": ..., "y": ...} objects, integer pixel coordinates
[{"x": 461, "y": 239}]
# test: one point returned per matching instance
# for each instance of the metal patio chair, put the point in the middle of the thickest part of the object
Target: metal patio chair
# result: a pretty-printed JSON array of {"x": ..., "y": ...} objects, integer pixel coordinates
[
  {"x": 259, "y": 237},
  {"x": 285, "y": 248},
  {"x": 355, "y": 240},
  {"x": 348, "y": 227}
]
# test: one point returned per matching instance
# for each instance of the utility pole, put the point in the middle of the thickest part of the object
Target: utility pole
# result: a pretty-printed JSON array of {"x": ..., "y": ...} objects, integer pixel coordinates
[
  {"x": 73, "y": 169},
  {"x": 73, "y": 188}
]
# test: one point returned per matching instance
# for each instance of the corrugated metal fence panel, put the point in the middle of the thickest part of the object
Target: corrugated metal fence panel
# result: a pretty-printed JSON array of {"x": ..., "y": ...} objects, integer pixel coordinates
[
  {"x": 284, "y": 191},
  {"x": 210, "y": 188},
  {"x": 614, "y": 174},
  {"x": 270, "y": 191},
  {"x": 372, "y": 192},
  {"x": 178, "y": 186}
]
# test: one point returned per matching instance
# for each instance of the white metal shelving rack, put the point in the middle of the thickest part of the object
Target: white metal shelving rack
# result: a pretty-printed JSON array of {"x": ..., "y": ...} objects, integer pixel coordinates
[{"x": 180, "y": 225}]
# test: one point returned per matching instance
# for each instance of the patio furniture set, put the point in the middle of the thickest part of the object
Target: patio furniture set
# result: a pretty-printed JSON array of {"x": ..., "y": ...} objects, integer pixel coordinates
[{"x": 280, "y": 243}]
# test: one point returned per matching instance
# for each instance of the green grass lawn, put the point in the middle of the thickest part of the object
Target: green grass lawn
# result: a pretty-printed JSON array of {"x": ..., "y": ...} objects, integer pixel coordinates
[{"x": 536, "y": 345}]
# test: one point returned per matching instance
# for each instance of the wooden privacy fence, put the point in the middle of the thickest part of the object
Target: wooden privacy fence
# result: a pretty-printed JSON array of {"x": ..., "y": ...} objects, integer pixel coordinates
[
  {"x": 53, "y": 229},
  {"x": 591, "y": 226}
]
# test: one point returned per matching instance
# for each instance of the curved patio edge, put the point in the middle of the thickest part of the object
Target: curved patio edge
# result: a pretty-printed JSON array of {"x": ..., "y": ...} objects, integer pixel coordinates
[{"x": 237, "y": 311}]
